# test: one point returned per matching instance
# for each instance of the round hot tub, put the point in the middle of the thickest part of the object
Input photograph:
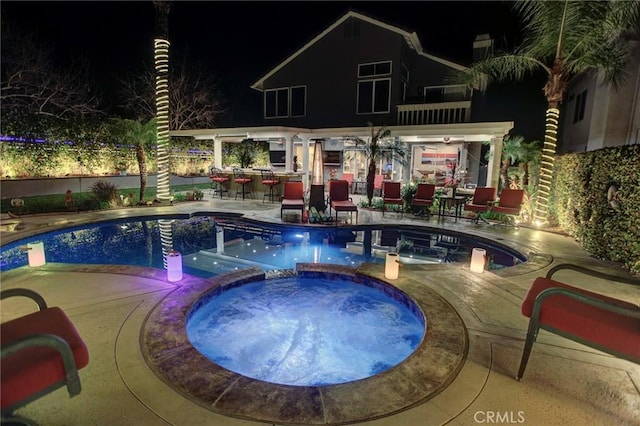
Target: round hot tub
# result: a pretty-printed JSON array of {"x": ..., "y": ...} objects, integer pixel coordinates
[
  {"x": 305, "y": 331},
  {"x": 385, "y": 388}
]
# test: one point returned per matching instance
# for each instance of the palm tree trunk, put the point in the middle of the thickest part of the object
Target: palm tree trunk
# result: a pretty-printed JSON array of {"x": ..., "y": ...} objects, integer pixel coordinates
[
  {"x": 371, "y": 174},
  {"x": 161, "y": 54},
  {"x": 505, "y": 173},
  {"x": 525, "y": 174},
  {"x": 548, "y": 159},
  {"x": 142, "y": 165}
]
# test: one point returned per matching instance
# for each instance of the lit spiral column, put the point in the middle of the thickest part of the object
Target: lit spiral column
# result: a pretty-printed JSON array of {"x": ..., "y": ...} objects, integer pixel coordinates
[
  {"x": 166, "y": 238},
  {"x": 162, "y": 115},
  {"x": 546, "y": 166}
]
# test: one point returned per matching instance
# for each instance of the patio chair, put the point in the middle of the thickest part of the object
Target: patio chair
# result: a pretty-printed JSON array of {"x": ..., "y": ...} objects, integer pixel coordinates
[
  {"x": 339, "y": 199},
  {"x": 41, "y": 352},
  {"x": 509, "y": 204},
  {"x": 483, "y": 200},
  {"x": 377, "y": 184},
  {"x": 219, "y": 181},
  {"x": 605, "y": 323},
  {"x": 391, "y": 195},
  {"x": 242, "y": 181},
  {"x": 349, "y": 178},
  {"x": 424, "y": 198},
  {"x": 271, "y": 185},
  {"x": 293, "y": 198}
]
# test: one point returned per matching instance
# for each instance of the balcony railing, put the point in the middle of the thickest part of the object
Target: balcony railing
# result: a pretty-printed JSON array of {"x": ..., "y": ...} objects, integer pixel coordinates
[{"x": 434, "y": 113}]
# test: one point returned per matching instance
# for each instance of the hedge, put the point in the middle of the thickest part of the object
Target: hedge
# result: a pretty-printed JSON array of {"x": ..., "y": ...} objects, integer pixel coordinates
[{"x": 608, "y": 230}]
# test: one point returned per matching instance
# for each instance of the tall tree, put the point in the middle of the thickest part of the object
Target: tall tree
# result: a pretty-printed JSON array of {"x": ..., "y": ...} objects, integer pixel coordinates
[
  {"x": 37, "y": 97},
  {"x": 563, "y": 38},
  {"x": 142, "y": 135},
  {"x": 530, "y": 157},
  {"x": 161, "y": 56},
  {"x": 194, "y": 99},
  {"x": 512, "y": 152}
]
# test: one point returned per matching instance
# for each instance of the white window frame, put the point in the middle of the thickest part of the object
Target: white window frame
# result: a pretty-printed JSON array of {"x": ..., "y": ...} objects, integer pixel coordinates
[
  {"x": 289, "y": 101},
  {"x": 375, "y": 74},
  {"x": 276, "y": 90},
  {"x": 373, "y": 97}
]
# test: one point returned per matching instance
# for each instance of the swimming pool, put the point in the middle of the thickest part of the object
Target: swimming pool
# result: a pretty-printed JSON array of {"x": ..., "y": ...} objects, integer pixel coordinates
[{"x": 212, "y": 245}]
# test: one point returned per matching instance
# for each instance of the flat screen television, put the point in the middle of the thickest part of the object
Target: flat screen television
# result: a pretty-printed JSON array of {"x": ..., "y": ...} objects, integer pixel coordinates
[
  {"x": 332, "y": 158},
  {"x": 277, "y": 158}
]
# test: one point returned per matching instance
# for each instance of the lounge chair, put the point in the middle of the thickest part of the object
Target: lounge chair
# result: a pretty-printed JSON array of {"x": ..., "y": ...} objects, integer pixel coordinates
[
  {"x": 607, "y": 324},
  {"x": 339, "y": 199},
  {"x": 391, "y": 195},
  {"x": 483, "y": 200},
  {"x": 510, "y": 203},
  {"x": 293, "y": 198},
  {"x": 424, "y": 198},
  {"x": 349, "y": 178},
  {"x": 41, "y": 352}
]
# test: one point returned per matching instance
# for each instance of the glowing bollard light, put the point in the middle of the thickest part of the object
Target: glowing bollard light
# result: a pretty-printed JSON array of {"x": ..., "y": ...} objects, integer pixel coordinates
[
  {"x": 174, "y": 266},
  {"x": 392, "y": 266},
  {"x": 478, "y": 259},
  {"x": 35, "y": 254}
]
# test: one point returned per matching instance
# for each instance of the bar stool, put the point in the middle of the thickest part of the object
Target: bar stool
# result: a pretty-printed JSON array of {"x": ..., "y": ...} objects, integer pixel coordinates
[
  {"x": 271, "y": 186},
  {"x": 241, "y": 180},
  {"x": 219, "y": 181}
]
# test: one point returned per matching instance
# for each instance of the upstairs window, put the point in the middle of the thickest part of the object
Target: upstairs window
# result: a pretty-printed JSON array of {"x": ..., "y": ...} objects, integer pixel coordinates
[
  {"x": 285, "y": 102},
  {"x": 374, "y": 94},
  {"x": 374, "y": 69},
  {"x": 298, "y": 101}
]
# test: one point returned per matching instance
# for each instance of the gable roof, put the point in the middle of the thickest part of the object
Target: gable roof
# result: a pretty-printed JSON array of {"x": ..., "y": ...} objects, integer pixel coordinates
[{"x": 411, "y": 39}]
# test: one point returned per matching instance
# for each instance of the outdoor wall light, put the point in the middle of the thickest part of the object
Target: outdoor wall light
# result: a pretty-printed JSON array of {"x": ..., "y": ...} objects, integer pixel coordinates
[{"x": 478, "y": 260}]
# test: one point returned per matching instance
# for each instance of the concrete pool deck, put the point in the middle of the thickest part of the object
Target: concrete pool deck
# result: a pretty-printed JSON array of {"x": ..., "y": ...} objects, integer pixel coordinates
[{"x": 565, "y": 382}]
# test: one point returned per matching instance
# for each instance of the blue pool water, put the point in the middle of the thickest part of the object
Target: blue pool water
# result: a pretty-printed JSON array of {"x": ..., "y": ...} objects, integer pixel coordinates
[
  {"x": 211, "y": 246},
  {"x": 306, "y": 331}
]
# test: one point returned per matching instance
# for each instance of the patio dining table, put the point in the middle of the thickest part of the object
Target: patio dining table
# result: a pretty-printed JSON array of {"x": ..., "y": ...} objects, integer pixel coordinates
[{"x": 447, "y": 202}]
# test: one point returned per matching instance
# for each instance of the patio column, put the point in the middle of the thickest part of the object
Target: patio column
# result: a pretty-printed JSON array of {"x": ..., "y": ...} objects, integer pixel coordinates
[
  {"x": 217, "y": 152},
  {"x": 288, "y": 152},
  {"x": 305, "y": 162},
  {"x": 493, "y": 167}
]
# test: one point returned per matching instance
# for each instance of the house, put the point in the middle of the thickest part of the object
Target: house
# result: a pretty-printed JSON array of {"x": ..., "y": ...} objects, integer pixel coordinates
[
  {"x": 361, "y": 70},
  {"x": 596, "y": 115}
]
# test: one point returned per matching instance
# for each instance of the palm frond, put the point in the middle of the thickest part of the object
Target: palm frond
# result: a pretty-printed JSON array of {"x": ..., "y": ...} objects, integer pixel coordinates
[{"x": 505, "y": 67}]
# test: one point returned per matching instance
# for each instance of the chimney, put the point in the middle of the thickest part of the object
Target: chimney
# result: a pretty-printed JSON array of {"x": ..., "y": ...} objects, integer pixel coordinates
[{"x": 482, "y": 47}]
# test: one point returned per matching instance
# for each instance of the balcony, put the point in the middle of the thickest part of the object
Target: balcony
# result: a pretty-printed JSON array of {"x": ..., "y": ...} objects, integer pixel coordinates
[{"x": 434, "y": 113}]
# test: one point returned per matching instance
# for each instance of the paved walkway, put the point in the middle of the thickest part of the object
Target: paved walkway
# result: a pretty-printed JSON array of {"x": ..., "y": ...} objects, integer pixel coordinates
[{"x": 565, "y": 383}]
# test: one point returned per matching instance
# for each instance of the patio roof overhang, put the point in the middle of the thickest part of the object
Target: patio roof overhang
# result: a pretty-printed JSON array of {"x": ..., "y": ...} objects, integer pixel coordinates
[{"x": 468, "y": 132}]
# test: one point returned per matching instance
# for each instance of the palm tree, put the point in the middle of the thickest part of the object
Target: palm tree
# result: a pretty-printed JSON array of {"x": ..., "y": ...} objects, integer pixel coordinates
[
  {"x": 142, "y": 136},
  {"x": 374, "y": 151},
  {"x": 530, "y": 157},
  {"x": 161, "y": 55},
  {"x": 512, "y": 152},
  {"x": 563, "y": 38}
]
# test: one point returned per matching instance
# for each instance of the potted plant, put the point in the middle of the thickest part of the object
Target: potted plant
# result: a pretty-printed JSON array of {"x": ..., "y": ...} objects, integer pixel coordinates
[{"x": 198, "y": 195}]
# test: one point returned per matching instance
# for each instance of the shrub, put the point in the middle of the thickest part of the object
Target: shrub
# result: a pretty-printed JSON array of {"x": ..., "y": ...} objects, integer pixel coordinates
[{"x": 105, "y": 192}]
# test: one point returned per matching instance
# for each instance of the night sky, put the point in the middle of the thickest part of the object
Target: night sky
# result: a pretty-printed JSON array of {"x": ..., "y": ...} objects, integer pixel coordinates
[{"x": 242, "y": 40}]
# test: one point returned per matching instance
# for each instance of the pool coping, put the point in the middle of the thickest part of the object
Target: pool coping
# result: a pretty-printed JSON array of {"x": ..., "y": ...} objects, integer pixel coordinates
[{"x": 425, "y": 373}]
